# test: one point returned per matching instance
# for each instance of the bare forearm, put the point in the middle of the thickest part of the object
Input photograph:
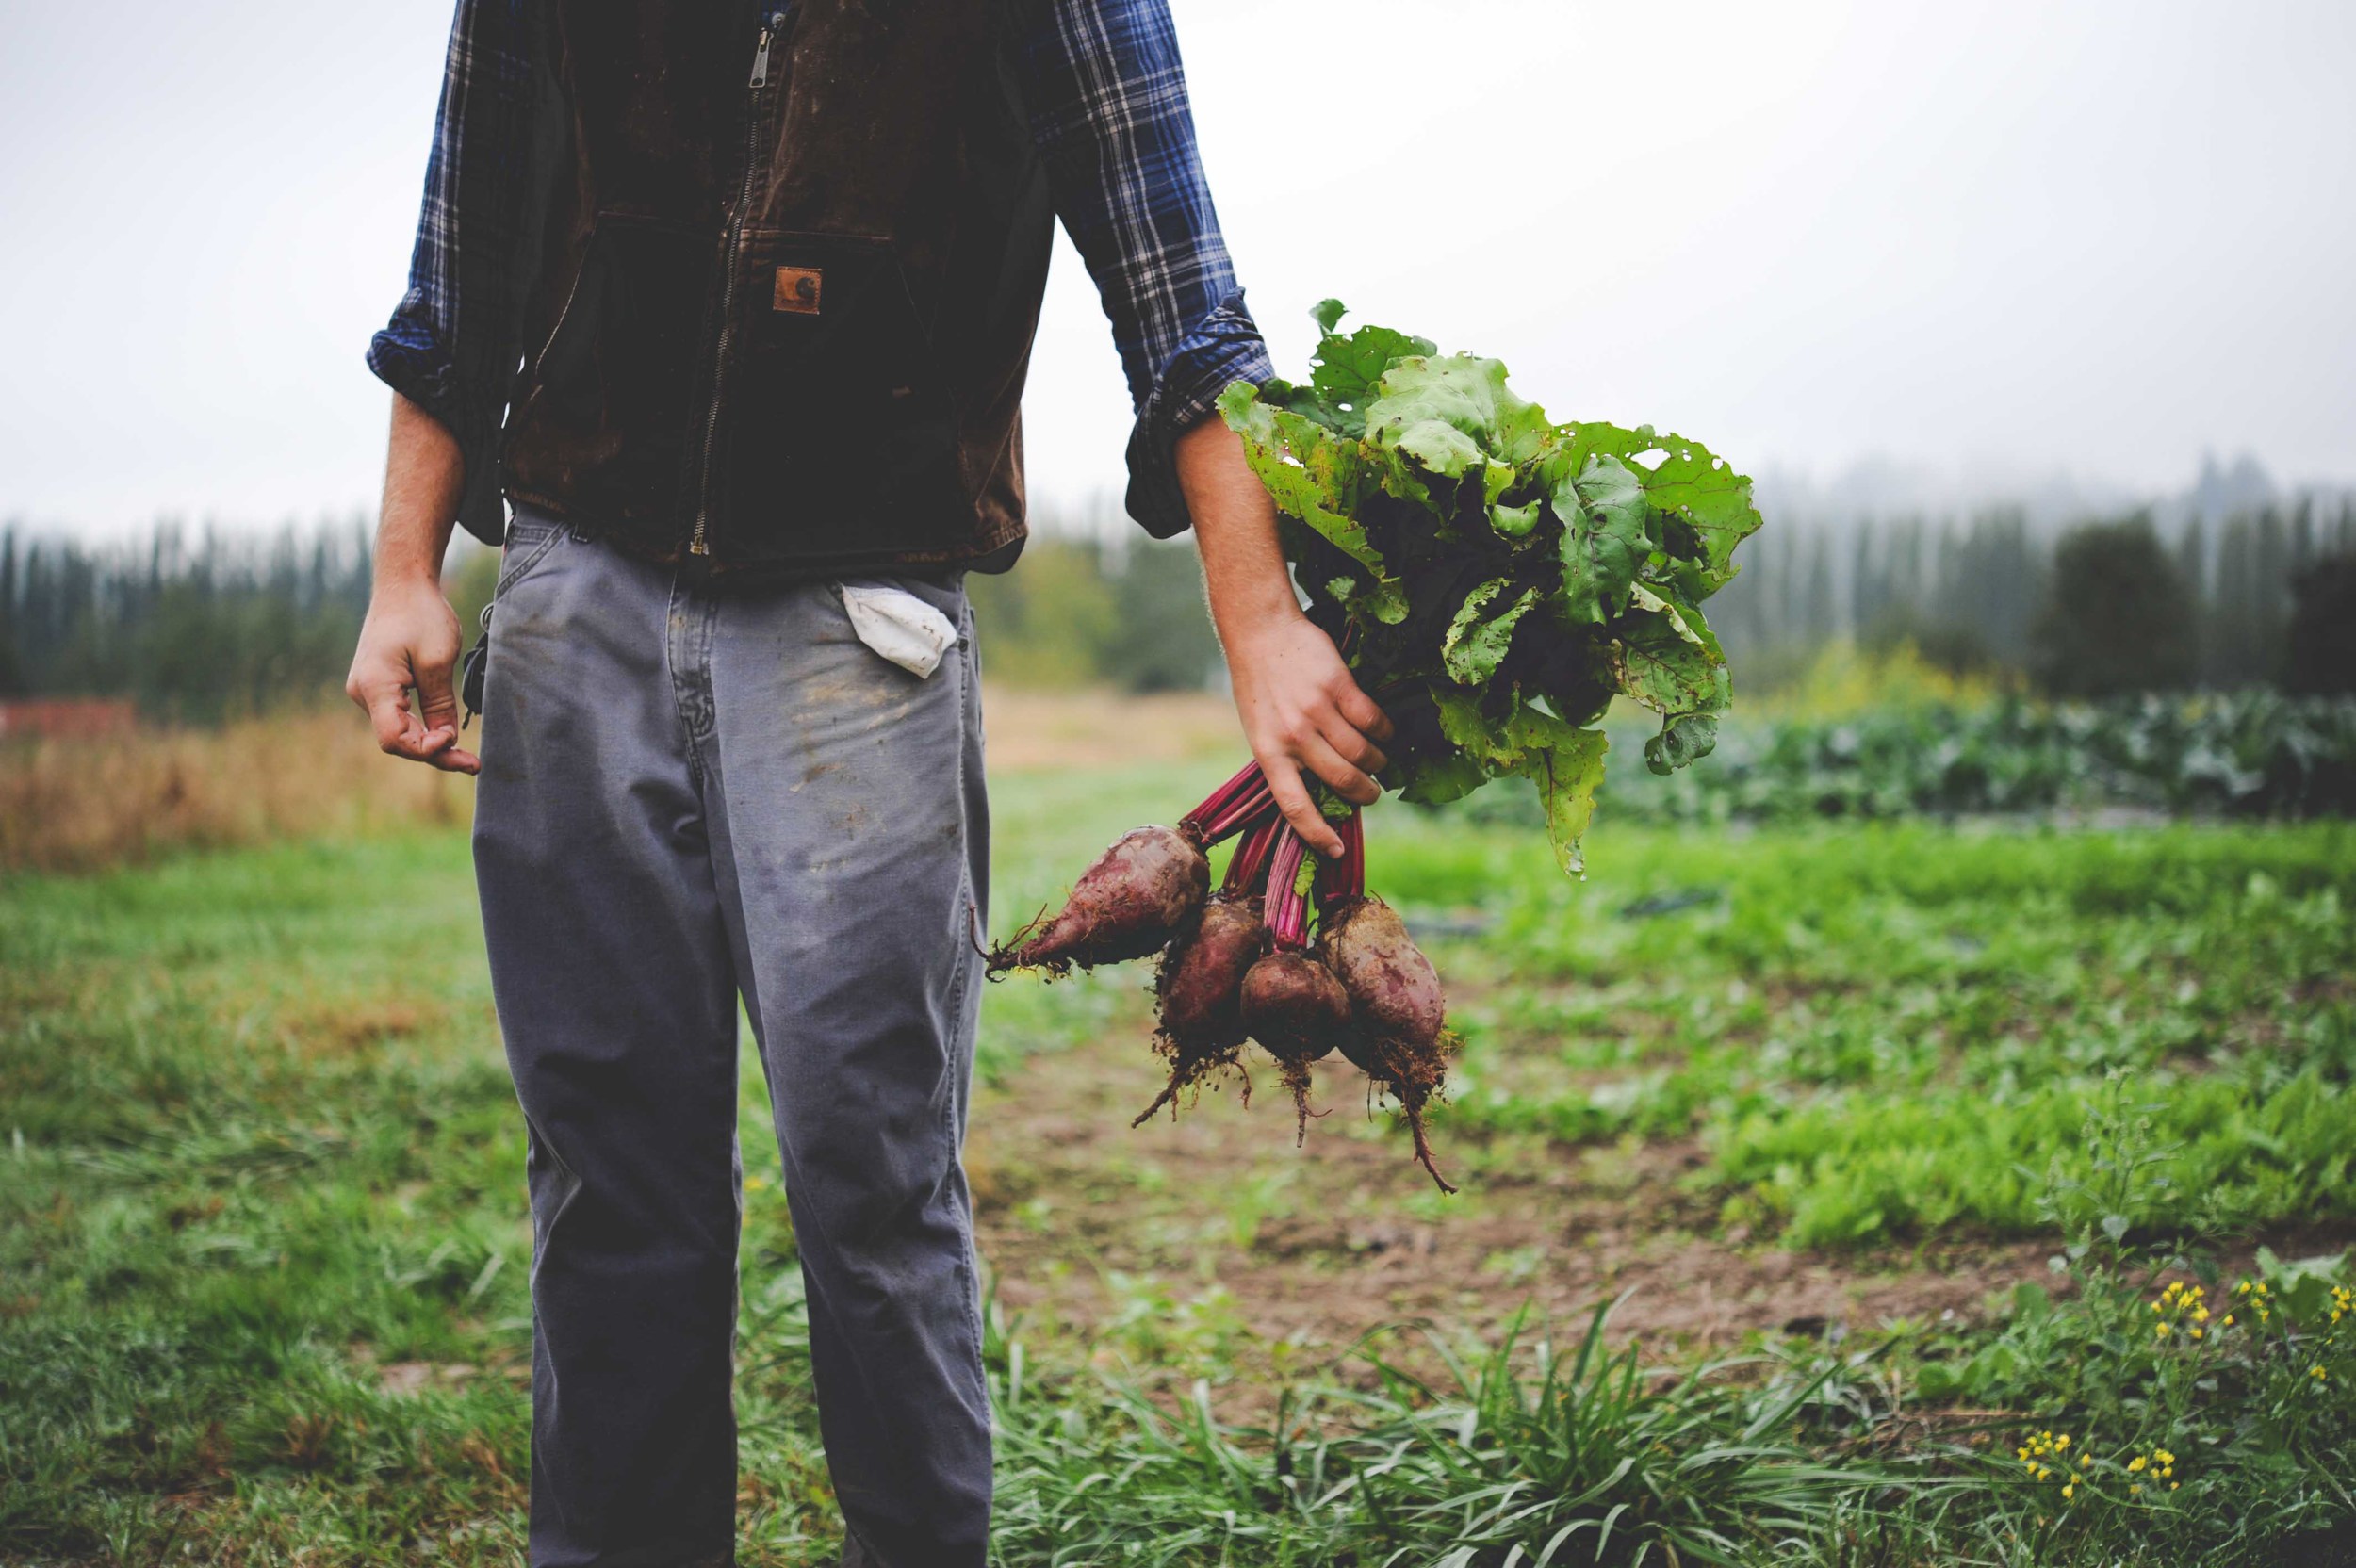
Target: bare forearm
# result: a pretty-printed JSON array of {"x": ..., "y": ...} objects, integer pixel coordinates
[
  {"x": 410, "y": 640},
  {"x": 1299, "y": 709},
  {"x": 425, "y": 475},
  {"x": 1234, "y": 529}
]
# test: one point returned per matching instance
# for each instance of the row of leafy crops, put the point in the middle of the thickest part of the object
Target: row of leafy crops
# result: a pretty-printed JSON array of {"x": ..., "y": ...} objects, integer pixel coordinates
[{"x": 2251, "y": 754}]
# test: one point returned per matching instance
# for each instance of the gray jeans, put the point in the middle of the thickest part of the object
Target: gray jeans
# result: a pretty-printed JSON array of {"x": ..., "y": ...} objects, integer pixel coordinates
[{"x": 689, "y": 795}]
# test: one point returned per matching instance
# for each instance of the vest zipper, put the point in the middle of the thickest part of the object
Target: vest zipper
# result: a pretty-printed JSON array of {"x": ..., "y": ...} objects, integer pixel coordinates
[{"x": 699, "y": 543}]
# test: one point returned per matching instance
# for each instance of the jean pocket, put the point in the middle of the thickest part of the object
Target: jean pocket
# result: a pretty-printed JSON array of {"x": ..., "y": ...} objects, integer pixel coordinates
[
  {"x": 528, "y": 544},
  {"x": 899, "y": 626}
]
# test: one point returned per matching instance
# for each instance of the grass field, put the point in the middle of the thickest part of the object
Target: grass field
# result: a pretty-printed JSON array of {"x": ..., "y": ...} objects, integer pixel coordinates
[{"x": 1894, "y": 1141}]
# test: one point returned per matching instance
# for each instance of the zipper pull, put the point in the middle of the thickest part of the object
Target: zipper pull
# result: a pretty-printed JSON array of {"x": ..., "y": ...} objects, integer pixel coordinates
[{"x": 760, "y": 56}]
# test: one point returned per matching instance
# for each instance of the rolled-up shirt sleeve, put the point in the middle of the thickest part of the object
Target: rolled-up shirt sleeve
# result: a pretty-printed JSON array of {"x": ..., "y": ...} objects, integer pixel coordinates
[
  {"x": 453, "y": 341},
  {"x": 1106, "y": 97}
]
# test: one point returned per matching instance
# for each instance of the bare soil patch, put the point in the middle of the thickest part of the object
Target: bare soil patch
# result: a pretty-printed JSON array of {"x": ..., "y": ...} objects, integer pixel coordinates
[{"x": 1317, "y": 1246}]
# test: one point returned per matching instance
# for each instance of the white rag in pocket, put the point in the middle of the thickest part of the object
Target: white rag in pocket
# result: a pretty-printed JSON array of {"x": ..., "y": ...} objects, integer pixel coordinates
[{"x": 898, "y": 626}]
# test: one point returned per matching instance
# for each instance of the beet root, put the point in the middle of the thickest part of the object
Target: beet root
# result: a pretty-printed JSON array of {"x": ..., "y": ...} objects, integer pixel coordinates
[
  {"x": 1128, "y": 905},
  {"x": 1296, "y": 1009},
  {"x": 1294, "y": 1005},
  {"x": 1398, "y": 1035},
  {"x": 1394, "y": 990},
  {"x": 1201, "y": 996},
  {"x": 1412, "y": 1073}
]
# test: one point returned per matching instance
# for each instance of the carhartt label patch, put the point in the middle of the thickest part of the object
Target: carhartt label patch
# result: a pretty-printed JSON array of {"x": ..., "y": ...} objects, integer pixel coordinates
[{"x": 797, "y": 290}]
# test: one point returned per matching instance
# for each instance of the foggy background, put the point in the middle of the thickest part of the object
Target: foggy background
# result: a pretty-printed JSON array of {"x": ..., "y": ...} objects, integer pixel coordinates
[{"x": 1882, "y": 256}]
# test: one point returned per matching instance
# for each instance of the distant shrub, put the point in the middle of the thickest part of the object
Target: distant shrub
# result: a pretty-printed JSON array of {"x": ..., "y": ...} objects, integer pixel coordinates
[
  {"x": 1074, "y": 613},
  {"x": 1045, "y": 622},
  {"x": 1162, "y": 639},
  {"x": 2119, "y": 618},
  {"x": 1847, "y": 679},
  {"x": 2322, "y": 651}
]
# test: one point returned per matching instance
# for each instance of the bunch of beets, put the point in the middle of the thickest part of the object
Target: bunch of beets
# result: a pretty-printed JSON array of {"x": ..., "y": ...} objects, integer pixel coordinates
[
  {"x": 1242, "y": 963},
  {"x": 1497, "y": 581}
]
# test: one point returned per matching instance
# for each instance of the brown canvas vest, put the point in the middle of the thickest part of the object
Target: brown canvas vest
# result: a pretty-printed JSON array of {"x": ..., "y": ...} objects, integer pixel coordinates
[{"x": 790, "y": 287}]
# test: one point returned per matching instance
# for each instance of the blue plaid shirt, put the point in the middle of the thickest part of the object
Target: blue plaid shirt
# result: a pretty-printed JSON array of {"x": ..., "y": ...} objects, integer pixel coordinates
[{"x": 1106, "y": 96}]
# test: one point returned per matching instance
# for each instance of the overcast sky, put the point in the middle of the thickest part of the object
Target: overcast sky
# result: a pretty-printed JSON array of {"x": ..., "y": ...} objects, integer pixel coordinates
[{"x": 2011, "y": 238}]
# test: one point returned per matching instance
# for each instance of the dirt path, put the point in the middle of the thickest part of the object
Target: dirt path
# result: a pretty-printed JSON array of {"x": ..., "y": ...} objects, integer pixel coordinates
[{"x": 1089, "y": 1224}]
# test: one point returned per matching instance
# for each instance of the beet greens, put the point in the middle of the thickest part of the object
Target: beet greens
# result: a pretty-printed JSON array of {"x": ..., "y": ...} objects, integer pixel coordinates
[{"x": 1495, "y": 580}]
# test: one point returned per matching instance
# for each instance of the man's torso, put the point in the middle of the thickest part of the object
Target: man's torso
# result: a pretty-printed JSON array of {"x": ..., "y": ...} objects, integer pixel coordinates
[{"x": 790, "y": 275}]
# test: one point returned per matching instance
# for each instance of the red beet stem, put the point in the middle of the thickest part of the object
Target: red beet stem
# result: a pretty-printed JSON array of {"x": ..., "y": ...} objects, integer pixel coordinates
[
  {"x": 1232, "y": 808},
  {"x": 1287, "y": 911},
  {"x": 1248, "y": 869},
  {"x": 1247, "y": 779},
  {"x": 1241, "y": 818},
  {"x": 1344, "y": 881}
]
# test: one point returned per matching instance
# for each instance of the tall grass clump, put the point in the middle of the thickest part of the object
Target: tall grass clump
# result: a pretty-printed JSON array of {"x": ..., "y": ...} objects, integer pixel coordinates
[{"x": 1523, "y": 1453}]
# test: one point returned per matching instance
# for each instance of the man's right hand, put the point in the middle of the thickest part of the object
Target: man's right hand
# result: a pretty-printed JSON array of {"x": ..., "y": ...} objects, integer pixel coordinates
[{"x": 410, "y": 640}]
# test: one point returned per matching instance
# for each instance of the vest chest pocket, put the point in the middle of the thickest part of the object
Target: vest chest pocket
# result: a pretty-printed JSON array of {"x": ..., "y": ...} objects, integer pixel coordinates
[{"x": 842, "y": 427}]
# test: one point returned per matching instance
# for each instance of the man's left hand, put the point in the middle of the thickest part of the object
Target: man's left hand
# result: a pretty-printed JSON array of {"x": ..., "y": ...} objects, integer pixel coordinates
[{"x": 1301, "y": 712}]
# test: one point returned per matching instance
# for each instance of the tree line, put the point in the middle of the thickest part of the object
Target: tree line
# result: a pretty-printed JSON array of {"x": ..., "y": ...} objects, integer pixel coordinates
[
  {"x": 196, "y": 627},
  {"x": 200, "y": 626},
  {"x": 2108, "y": 606}
]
